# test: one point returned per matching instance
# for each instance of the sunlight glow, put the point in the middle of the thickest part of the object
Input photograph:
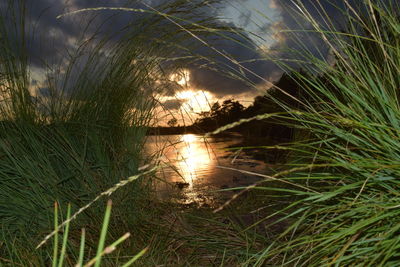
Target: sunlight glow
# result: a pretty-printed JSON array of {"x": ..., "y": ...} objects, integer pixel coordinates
[
  {"x": 188, "y": 138},
  {"x": 188, "y": 100},
  {"x": 185, "y": 95},
  {"x": 194, "y": 155},
  {"x": 195, "y": 101}
]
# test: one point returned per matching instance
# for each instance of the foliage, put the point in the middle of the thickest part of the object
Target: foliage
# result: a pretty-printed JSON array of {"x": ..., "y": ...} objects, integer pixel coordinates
[
  {"x": 172, "y": 122},
  {"x": 81, "y": 136},
  {"x": 349, "y": 159},
  {"x": 218, "y": 115},
  {"x": 87, "y": 132}
]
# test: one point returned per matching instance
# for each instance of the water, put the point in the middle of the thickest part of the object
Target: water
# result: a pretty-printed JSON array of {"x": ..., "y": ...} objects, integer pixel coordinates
[{"x": 193, "y": 176}]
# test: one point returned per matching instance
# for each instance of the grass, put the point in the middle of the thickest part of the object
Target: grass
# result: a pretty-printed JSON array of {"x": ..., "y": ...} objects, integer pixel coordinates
[
  {"x": 81, "y": 137},
  {"x": 59, "y": 259},
  {"x": 350, "y": 111},
  {"x": 339, "y": 204}
]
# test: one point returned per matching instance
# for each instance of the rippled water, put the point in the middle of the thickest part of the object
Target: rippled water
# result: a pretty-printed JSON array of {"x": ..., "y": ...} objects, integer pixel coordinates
[{"x": 193, "y": 174}]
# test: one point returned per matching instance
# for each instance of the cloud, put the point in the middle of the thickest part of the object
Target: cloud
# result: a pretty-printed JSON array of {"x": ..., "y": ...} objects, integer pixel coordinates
[
  {"x": 172, "y": 104},
  {"x": 223, "y": 76},
  {"x": 295, "y": 43},
  {"x": 56, "y": 36},
  {"x": 261, "y": 64},
  {"x": 54, "y": 40},
  {"x": 51, "y": 40}
]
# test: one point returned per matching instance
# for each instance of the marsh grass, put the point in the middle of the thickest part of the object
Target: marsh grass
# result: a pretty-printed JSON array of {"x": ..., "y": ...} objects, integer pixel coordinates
[
  {"x": 80, "y": 137},
  {"x": 348, "y": 152},
  {"x": 60, "y": 253}
]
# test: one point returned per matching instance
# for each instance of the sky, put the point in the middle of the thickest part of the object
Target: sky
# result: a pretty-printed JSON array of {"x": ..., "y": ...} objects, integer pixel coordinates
[
  {"x": 262, "y": 41},
  {"x": 263, "y": 20}
]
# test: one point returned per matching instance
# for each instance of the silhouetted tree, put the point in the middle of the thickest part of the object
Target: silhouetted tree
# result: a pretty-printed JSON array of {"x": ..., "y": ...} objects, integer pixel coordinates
[
  {"x": 172, "y": 122},
  {"x": 219, "y": 115}
]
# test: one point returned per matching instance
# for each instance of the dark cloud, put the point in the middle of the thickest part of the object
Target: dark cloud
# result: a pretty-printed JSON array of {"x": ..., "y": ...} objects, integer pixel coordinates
[
  {"x": 303, "y": 43},
  {"x": 295, "y": 42},
  {"x": 53, "y": 40},
  {"x": 220, "y": 76},
  {"x": 294, "y": 45},
  {"x": 223, "y": 76},
  {"x": 289, "y": 50},
  {"x": 173, "y": 104}
]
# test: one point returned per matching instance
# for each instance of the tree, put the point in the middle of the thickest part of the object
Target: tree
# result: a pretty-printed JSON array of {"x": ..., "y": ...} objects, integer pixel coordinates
[
  {"x": 219, "y": 115},
  {"x": 172, "y": 122}
]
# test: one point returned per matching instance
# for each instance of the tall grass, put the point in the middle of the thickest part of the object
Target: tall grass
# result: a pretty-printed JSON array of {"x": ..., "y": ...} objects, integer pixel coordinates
[
  {"x": 80, "y": 137},
  {"x": 350, "y": 113}
]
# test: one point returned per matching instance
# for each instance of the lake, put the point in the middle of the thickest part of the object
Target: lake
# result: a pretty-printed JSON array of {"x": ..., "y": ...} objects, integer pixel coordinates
[{"x": 192, "y": 175}]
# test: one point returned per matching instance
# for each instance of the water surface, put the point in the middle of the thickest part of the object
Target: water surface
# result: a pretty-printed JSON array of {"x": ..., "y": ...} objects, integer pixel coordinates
[{"x": 193, "y": 175}]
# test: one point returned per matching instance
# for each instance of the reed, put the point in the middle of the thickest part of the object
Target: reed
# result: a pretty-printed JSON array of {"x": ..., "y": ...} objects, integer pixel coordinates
[
  {"x": 84, "y": 136},
  {"x": 350, "y": 113}
]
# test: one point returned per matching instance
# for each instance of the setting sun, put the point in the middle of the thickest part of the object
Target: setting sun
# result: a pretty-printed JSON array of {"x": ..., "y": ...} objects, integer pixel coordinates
[
  {"x": 196, "y": 101},
  {"x": 191, "y": 100}
]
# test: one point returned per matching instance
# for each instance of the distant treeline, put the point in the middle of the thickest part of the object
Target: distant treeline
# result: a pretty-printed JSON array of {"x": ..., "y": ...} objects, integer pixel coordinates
[{"x": 160, "y": 130}]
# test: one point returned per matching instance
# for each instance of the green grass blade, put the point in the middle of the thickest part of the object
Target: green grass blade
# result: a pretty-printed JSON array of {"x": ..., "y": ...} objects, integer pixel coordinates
[
  {"x": 135, "y": 258},
  {"x": 65, "y": 239},
  {"x": 55, "y": 242},
  {"x": 103, "y": 234},
  {"x": 81, "y": 249}
]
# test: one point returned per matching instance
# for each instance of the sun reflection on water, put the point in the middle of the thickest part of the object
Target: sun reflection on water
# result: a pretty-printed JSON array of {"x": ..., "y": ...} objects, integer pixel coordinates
[
  {"x": 190, "y": 174},
  {"x": 188, "y": 138},
  {"x": 193, "y": 156}
]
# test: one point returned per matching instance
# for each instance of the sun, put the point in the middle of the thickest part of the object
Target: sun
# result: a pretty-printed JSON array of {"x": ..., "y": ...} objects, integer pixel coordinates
[
  {"x": 192, "y": 101},
  {"x": 195, "y": 100}
]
